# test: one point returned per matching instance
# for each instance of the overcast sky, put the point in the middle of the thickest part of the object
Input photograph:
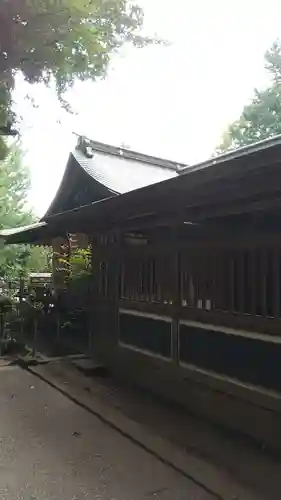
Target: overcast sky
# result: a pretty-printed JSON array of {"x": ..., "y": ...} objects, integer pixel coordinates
[{"x": 173, "y": 102}]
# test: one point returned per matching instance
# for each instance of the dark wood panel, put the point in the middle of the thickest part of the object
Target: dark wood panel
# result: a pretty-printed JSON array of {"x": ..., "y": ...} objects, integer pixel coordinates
[
  {"x": 245, "y": 359},
  {"x": 146, "y": 333},
  {"x": 247, "y": 322}
]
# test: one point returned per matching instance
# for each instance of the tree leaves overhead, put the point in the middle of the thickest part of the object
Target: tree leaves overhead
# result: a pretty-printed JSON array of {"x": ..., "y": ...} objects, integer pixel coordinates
[
  {"x": 261, "y": 119},
  {"x": 62, "y": 40}
]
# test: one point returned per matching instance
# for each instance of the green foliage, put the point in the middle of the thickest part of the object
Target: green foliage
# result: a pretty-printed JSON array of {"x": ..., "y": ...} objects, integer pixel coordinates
[
  {"x": 39, "y": 260},
  {"x": 62, "y": 40},
  {"x": 5, "y": 303},
  {"x": 16, "y": 260},
  {"x": 14, "y": 186},
  {"x": 80, "y": 263},
  {"x": 79, "y": 284},
  {"x": 261, "y": 119},
  {"x": 77, "y": 278},
  {"x": 6, "y": 114},
  {"x": 3, "y": 148}
]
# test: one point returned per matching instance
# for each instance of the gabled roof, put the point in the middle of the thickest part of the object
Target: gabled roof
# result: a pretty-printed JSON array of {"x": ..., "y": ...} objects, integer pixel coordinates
[
  {"x": 96, "y": 171},
  {"x": 121, "y": 173},
  {"x": 238, "y": 183}
]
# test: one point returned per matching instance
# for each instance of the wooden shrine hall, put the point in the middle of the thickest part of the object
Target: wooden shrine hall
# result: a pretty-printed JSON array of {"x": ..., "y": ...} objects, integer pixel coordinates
[
  {"x": 94, "y": 172},
  {"x": 186, "y": 275}
]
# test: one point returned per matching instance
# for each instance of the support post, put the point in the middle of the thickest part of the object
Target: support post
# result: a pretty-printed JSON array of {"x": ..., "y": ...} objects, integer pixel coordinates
[
  {"x": 116, "y": 277},
  {"x": 2, "y": 330},
  {"x": 58, "y": 327},
  {"x": 90, "y": 332},
  {"x": 35, "y": 331},
  {"x": 177, "y": 296},
  {"x": 21, "y": 324},
  {"x": 90, "y": 299}
]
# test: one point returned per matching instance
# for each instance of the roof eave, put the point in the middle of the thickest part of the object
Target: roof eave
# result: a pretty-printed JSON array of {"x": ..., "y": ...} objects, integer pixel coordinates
[{"x": 234, "y": 154}]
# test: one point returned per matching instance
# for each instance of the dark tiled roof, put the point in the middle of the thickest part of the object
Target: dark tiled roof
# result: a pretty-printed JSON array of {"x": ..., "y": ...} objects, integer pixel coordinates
[
  {"x": 89, "y": 146},
  {"x": 111, "y": 171},
  {"x": 121, "y": 174}
]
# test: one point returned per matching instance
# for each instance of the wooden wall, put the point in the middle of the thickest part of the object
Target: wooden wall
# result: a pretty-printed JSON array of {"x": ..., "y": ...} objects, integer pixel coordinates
[{"x": 198, "y": 320}]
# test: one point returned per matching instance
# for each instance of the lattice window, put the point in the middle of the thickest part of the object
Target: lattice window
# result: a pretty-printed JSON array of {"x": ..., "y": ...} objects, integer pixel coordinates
[
  {"x": 245, "y": 281},
  {"x": 146, "y": 278}
]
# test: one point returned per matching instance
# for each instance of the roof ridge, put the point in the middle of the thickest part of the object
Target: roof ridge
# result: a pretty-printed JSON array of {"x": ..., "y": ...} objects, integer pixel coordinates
[{"x": 88, "y": 146}]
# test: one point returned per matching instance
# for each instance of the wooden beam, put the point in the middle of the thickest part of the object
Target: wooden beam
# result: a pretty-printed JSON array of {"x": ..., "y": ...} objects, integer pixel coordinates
[{"x": 276, "y": 283}]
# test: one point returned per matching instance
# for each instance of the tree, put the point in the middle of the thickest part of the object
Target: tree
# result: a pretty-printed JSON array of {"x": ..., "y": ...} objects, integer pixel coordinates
[
  {"x": 14, "y": 185},
  {"x": 261, "y": 119},
  {"x": 39, "y": 260},
  {"x": 61, "y": 41}
]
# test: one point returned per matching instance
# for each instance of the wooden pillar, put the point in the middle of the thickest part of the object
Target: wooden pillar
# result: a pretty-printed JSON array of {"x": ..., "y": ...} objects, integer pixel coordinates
[
  {"x": 115, "y": 271},
  {"x": 96, "y": 313},
  {"x": 253, "y": 281},
  {"x": 276, "y": 281},
  {"x": 177, "y": 302},
  {"x": 90, "y": 298}
]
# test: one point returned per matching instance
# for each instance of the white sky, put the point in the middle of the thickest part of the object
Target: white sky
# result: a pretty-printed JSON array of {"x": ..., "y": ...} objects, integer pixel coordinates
[{"x": 173, "y": 102}]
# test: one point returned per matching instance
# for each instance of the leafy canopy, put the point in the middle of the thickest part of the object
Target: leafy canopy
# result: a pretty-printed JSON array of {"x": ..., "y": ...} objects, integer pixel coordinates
[
  {"x": 62, "y": 40},
  {"x": 261, "y": 119}
]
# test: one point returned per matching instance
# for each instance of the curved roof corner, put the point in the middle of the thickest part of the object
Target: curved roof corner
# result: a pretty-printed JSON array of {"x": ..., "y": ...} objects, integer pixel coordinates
[{"x": 96, "y": 171}]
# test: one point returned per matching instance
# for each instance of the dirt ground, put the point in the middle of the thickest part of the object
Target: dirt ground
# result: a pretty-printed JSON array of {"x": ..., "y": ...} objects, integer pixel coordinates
[
  {"x": 51, "y": 448},
  {"x": 65, "y": 434}
]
